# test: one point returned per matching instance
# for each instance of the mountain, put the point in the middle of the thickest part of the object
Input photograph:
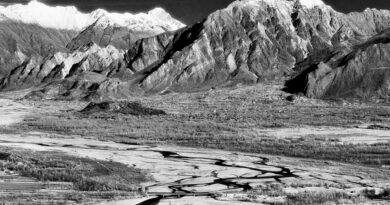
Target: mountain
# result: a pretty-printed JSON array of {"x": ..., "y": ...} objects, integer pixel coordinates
[
  {"x": 359, "y": 72},
  {"x": 37, "y": 31},
  {"x": 248, "y": 42},
  {"x": 100, "y": 26},
  {"x": 121, "y": 30},
  {"x": 19, "y": 42},
  {"x": 64, "y": 72}
]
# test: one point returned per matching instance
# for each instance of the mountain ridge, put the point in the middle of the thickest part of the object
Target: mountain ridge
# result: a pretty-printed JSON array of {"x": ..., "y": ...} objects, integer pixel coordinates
[
  {"x": 20, "y": 42},
  {"x": 248, "y": 42},
  {"x": 361, "y": 72}
]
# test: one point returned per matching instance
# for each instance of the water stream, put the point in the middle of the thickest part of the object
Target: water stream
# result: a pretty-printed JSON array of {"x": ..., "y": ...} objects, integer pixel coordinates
[{"x": 179, "y": 173}]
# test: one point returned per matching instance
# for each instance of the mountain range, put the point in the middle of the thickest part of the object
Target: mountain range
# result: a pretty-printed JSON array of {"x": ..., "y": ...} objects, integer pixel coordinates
[
  {"x": 304, "y": 44},
  {"x": 37, "y": 31}
]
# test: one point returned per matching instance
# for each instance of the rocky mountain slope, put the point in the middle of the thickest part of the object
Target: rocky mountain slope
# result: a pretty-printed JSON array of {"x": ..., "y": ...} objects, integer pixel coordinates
[
  {"x": 19, "y": 42},
  {"x": 90, "y": 64},
  {"x": 121, "y": 30},
  {"x": 361, "y": 71},
  {"x": 107, "y": 31},
  {"x": 250, "y": 41}
]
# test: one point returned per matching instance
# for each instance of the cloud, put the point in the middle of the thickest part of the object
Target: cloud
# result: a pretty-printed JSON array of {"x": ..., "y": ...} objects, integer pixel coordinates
[{"x": 9, "y": 2}]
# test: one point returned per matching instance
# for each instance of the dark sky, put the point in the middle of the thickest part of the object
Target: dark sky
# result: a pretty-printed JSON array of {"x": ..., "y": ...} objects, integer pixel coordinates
[{"x": 190, "y": 11}]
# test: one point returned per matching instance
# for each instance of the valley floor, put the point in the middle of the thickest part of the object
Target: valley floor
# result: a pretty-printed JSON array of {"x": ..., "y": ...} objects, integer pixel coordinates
[{"x": 244, "y": 145}]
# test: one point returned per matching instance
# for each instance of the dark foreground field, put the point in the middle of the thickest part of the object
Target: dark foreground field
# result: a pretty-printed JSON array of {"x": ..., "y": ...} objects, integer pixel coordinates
[{"x": 66, "y": 179}]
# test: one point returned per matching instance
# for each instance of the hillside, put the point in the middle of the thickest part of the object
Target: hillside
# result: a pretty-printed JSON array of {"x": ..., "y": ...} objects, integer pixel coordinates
[
  {"x": 359, "y": 72},
  {"x": 20, "y": 42}
]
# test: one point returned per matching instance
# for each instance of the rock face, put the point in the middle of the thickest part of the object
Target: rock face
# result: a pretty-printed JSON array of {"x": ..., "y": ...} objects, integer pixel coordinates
[
  {"x": 362, "y": 72},
  {"x": 248, "y": 42},
  {"x": 19, "y": 42},
  {"x": 68, "y": 74}
]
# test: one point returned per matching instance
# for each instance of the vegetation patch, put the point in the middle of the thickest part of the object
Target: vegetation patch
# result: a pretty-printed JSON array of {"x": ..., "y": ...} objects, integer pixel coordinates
[
  {"x": 86, "y": 174},
  {"x": 128, "y": 108},
  {"x": 276, "y": 194},
  {"x": 310, "y": 197},
  {"x": 62, "y": 197}
]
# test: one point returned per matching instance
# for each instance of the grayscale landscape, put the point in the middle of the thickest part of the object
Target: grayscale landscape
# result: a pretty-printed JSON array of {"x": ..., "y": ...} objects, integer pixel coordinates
[{"x": 274, "y": 102}]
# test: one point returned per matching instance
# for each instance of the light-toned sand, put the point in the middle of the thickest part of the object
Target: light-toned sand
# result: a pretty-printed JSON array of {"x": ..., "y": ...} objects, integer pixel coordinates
[{"x": 11, "y": 112}]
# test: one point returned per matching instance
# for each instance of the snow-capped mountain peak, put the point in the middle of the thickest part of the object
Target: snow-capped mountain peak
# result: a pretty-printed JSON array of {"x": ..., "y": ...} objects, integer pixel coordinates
[
  {"x": 36, "y": 12},
  {"x": 70, "y": 18}
]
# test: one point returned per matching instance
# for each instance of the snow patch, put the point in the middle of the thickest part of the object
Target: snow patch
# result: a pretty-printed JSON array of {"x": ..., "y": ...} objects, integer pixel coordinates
[
  {"x": 70, "y": 18},
  {"x": 231, "y": 62},
  {"x": 312, "y": 3}
]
